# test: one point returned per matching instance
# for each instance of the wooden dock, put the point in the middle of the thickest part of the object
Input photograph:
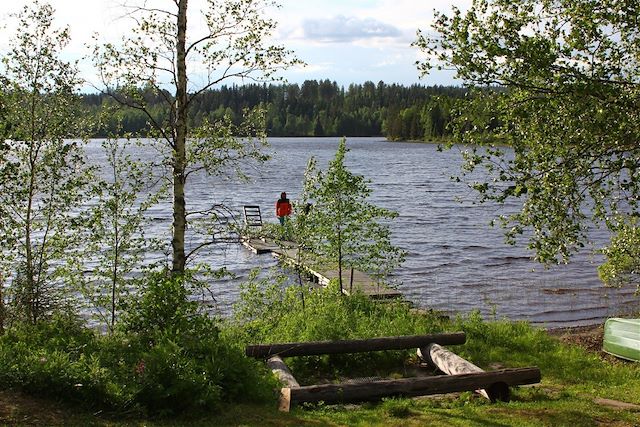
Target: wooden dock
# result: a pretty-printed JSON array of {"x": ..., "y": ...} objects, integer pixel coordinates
[
  {"x": 362, "y": 282},
  {"x": 259, "y": 246}
]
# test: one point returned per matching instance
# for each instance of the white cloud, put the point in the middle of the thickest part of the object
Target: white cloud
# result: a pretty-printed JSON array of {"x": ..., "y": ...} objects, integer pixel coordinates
[
  {"x": 392, "y": 61},
  {"x": 341, "y": 29},
  {"x": 315, "y": 68}
]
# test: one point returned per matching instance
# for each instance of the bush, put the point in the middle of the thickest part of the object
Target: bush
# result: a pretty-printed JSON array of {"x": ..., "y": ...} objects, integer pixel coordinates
[
  {"x": 55, "y": 358},
  {"x": 164, "y": 359},
  {"x": 183, "y": 362},
  {"x": 163, "y": 307},
  {"x": 269, "y": 312}
]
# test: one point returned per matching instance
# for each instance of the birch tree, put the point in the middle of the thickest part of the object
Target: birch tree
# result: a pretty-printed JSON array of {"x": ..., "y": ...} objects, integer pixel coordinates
[
  {"x": 3, "y": 159},
  {"x": 42, "y": 174},
  {"x": 341, "y": 225},
  {"x": 570, "y": 113},
  {"x": 170, "y": 57}
]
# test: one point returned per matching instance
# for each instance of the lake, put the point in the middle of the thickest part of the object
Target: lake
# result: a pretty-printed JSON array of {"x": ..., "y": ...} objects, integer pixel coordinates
[{"x": 455, "y": 262}]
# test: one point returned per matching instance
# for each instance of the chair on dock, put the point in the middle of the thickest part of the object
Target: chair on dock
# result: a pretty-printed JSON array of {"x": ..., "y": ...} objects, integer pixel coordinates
[{"x": 252, "y": 216}]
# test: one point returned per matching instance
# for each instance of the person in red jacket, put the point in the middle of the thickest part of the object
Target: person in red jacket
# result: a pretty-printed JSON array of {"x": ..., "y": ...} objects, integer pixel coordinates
[{"x": 283, "y": 208}]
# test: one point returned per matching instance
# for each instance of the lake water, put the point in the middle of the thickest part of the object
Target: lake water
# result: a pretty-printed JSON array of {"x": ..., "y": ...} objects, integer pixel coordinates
[{"x": 455, "y": 262}]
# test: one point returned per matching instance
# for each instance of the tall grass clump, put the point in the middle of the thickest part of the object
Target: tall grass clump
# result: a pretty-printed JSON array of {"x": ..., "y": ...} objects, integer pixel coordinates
[{"x": 517, "y": 343}]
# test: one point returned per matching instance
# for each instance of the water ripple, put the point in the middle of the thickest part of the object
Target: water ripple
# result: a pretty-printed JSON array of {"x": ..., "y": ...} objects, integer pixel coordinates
[{"x": 455, "y": 261}]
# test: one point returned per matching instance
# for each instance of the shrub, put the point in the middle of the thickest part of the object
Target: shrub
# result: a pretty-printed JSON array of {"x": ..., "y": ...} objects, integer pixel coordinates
[
  {"x": 270, "y": 312},
  {"x": 183, "y": 362},
  {"x": 165, "y": 358},
  {"x": 55, "y": 358}
]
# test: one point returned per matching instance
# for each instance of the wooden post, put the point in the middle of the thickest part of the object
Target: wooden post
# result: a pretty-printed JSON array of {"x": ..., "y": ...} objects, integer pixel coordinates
[
  {"x": 421, "y": 386},
  {"x": 281, "y": 370},
  {"x": 351, "y": 283},
  {"x": 452, "y": 364},
  {"x": 352, "y": 346},
  {"x": 284, "y": 403},
  {"x": 299, "y": 271}
]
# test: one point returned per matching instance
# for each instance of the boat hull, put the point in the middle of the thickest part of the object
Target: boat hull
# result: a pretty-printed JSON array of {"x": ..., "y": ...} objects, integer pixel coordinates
[{"x": 622, "y": 338}]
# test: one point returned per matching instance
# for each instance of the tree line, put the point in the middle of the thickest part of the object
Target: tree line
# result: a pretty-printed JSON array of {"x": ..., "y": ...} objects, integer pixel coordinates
[{"x": 314, "y": 108}]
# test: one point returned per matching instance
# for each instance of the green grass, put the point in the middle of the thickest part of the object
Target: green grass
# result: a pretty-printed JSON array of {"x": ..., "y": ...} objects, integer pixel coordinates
[
  {"x": 543, "y": 405},
  {"x": 571, "y": 376}
]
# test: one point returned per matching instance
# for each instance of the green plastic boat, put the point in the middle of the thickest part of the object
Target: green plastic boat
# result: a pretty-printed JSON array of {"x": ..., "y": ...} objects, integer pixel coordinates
[{"x": 622, "y": 338}]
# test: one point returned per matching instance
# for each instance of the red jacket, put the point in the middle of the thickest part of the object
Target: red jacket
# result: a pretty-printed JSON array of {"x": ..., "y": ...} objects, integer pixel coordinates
[{"x": 283, "y": 207}]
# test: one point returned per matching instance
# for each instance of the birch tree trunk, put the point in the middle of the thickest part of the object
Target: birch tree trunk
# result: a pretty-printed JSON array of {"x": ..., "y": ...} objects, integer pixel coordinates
[{"x": 179, "y": 159}]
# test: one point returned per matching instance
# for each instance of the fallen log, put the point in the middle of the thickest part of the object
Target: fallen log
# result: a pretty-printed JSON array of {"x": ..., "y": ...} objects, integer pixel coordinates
[
  {"x": 281, "y": 370},
  {"x": 352, "y": 346},
  {"x": 375, "y": 390},
  {"x": 452, "y": 364}
]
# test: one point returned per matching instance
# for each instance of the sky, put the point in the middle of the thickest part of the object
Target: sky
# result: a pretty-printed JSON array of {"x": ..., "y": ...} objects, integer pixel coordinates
[{"x": 347, "y": 41}]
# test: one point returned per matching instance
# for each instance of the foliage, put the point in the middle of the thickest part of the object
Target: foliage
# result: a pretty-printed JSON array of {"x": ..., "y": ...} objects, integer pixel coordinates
[
  {"x": 115, "y": 240},
  {"x": 570, "y": 113},
  {"x": 571, "y": 377},
  {"x": 623, "y": 256},
  {"x": 42, "y": 175},
  {"x": 341, "y": 225},
  {"x": 56, "y": 358},
  {"x": 185, "y": 363},
  {"x": 165, "y": 358},
  {"x": 428, "y": 121},
  {"x": 268, "y": 311},
  {"x": 272, "y": 231},
  {"x": 3, "y": 123},
  {"x": 161, "y": 52},
  {"x": 162, "y": 306}
]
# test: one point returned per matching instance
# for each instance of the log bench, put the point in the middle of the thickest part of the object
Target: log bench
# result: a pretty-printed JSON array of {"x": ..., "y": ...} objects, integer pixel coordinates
[{"x": 460, "y": 375}]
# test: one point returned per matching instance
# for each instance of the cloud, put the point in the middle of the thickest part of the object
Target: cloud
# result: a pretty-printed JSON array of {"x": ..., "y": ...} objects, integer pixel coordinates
[
  {"x": 347, "y": 28},
  {"x": 389, "y": 62}
]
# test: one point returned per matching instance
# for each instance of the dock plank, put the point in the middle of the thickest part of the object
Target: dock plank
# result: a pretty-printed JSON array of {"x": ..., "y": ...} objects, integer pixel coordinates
[
  {"x": 258, "y": 246},
  {"x": 361, "y": 282}
]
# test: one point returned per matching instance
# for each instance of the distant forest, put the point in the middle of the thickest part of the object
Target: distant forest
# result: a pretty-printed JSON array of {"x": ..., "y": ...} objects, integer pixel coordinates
[{"x": 315, "y": 108}]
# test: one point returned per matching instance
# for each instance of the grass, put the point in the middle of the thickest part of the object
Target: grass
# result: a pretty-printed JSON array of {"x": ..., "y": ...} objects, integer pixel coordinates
[
  {"x": 529, "y": 407},
  {"x": 572, "y": 378}
]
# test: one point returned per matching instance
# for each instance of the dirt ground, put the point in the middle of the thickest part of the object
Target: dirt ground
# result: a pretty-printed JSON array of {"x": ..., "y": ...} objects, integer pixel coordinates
[
  {"x": 587, "y": 337},
  {"x": 19, "y": 409}
]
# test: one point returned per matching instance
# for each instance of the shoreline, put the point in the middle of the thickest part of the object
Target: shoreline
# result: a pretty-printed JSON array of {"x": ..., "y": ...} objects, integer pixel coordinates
[{"x": 588, "y": 337}]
